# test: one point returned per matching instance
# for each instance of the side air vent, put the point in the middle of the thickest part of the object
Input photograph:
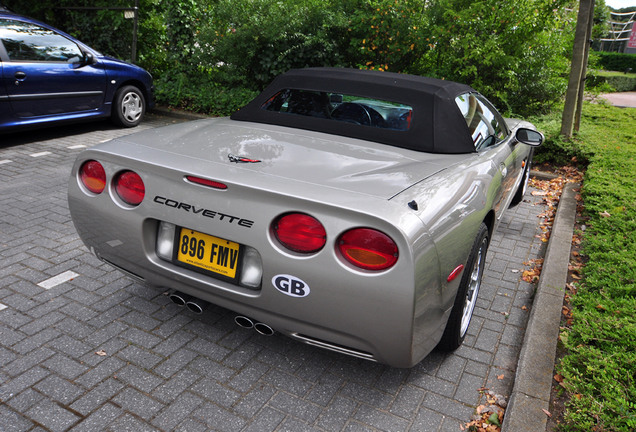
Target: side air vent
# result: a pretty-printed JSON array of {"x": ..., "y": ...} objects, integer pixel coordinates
[{"x": 334, "y": 347}]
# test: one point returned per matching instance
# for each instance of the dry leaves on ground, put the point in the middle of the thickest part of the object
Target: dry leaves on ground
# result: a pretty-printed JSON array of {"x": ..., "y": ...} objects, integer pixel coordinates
[{"x": 489, "y": 414}]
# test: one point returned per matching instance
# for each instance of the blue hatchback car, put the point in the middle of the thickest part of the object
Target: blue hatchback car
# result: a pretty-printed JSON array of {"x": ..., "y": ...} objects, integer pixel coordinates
[{"x": 50, "y": 77}]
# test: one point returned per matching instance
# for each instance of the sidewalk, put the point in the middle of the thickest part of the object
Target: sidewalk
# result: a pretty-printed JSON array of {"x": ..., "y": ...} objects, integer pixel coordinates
[{"x": 622, "y": 99}]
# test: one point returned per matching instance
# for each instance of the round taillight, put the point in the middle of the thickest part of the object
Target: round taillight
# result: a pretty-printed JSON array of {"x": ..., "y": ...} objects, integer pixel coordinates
[
  {"x": 130, "y": 187},
  {"x": 300, "y": 233},
  {"x": 93, "y": 176},
  {"x": 368, "y": 249}
]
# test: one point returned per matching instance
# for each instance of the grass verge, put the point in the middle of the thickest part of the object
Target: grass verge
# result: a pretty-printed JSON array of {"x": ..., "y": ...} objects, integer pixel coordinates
[{"x": 599, "y": 370}]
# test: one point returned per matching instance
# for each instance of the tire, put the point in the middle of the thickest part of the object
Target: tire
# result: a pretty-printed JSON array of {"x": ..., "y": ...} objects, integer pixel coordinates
[
  {"x": 464, "y": 306},
  {"x": 523, "y": 186},
  {"x": 129, "y": 107}
]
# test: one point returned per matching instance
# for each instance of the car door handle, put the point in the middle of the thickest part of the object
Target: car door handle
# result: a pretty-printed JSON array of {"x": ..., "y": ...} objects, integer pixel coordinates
[{"x": 20, "y": 76}]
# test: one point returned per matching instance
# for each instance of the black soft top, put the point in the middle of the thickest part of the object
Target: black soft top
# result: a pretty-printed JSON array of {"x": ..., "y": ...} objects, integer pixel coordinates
[{"x": 438, "y": 125}]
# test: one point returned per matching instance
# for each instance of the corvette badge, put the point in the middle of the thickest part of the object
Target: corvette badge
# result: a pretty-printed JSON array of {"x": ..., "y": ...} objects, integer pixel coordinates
[{"x": 240, "y": 159}]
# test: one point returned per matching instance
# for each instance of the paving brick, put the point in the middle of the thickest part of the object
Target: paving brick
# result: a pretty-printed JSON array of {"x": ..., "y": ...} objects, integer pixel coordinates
[
  {"x": 215, "y": 393},
  {"x": 366, "y": 395},
  {"x": 266, "y": 420},
  {"x": 59, "y": 389},
  {"x": 99, "y": 420},
  {"x": 248, "y": 376},
  {"x": 175, "y": 386},
  {"x": 407, "y": 402},
  {"x": 24, "y": 401},
  {"x": 173, "y": 343},
  {"x": 12, "y": 421},
  {"x": 65, "y": 366},
  {"x": 380, "y": 420},
  {"x": 52, "y": 416},
  {"x": 6, "y": 356},
  {"x": 287, "y": 382},
  {"x": 250, "y": 404},
  {"x": 22, "y": 364},
  {"x": 211, "y": 369},
  {"x": 36, "y": 341},
  {"x": 97, "y": 396},
  {"x": 137, "y": 403},
  {"x": 70, "y": 346},
  {"x": 219, "y": 418},
  {"x": 175, "y": 363},
  {"x": 175, "y": 413},
  {"x": 139, "y": 356},
  {"x": 140, "y": 379},
  {"x": 208, "y": 349},
  {"x": 99, "y": 373}
]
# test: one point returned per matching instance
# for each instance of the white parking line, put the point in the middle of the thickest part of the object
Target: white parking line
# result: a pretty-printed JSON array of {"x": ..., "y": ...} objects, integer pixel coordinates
[
  {"x": 76, "y": 146},
  {"x": 57, "y": 280},
  {"x": 40, "y": 154},
  {"x": 3, "y": 306},
  {"x": 4, "y": 161}
]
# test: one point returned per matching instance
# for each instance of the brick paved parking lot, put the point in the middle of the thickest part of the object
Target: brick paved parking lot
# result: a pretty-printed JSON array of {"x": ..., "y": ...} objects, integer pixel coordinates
[{"x": 83, "y": 348}]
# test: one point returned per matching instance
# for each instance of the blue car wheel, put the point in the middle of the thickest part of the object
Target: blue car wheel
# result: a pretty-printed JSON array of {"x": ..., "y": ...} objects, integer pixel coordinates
[{"x": 129, "y": 107}]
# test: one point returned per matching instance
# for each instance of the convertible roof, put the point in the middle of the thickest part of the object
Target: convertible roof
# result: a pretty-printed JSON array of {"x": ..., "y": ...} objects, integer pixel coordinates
[{"x": 437, "y": 124}]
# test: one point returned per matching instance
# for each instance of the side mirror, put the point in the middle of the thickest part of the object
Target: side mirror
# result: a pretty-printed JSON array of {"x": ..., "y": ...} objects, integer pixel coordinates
[
  {"x": 88, "y": 59},
  {"x": 530, "y": 137}
]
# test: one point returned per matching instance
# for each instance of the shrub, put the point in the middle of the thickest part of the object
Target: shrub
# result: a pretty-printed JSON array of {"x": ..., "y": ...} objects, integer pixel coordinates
[
  {"x": 257, "y": 40},
  {"x": 386, "y": 35},
  {"x": 616, "y": 61},
  {"x": 513, "y": 52}
]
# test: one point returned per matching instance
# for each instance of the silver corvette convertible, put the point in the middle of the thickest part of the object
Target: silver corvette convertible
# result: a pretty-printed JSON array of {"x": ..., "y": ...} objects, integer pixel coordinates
[{"x": 346, "y": 209}]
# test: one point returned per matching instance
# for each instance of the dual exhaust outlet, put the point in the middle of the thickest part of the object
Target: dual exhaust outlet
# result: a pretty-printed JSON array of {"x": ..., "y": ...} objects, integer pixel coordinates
[{"x": 197, "y": 306}]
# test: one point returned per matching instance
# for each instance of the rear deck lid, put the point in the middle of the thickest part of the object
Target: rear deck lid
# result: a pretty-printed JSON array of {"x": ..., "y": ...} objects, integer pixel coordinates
[{"x": 297, "y": 155}]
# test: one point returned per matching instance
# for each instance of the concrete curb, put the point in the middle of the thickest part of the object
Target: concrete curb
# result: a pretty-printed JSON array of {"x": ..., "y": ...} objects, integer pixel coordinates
[
  {"x": 174, "y": 113},
  {"x": 533, "y": 381}
]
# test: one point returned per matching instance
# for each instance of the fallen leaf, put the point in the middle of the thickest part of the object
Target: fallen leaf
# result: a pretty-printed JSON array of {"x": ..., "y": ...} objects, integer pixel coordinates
[
  {"x": 101, "y": 353},
  {"x": 548, "y": 413},
  {"x": 558, "y": 378},
  {"x": 605, "y": 214},
  {"x": 539, "y": 193},
  {"x": 524, "y": 308},
  {"x": 500, "y": 377},
  {"x": 494, "y": 419}
]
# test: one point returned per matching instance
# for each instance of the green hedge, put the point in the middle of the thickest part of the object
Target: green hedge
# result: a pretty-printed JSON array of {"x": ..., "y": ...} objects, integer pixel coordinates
[
  {"x": 620, "y": 83},
  {"x": 616, "y": 61}
]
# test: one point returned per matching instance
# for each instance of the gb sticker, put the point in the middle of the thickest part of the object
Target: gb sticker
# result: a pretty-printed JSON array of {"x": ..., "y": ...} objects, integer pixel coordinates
[{"x": 290, "y": 285}]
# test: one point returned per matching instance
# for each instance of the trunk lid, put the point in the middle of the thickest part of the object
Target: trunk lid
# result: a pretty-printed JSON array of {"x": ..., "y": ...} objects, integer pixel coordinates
[{"x": 297, "y": 155}]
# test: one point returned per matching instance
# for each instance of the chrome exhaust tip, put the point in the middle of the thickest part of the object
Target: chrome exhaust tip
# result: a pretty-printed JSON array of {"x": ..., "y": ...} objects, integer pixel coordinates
[
  {"x": 179, "y": 298},
  {"x": 197, "y": 306},
  {"x": 264, "y": 329},
  {"x": 243, "y": 321}
]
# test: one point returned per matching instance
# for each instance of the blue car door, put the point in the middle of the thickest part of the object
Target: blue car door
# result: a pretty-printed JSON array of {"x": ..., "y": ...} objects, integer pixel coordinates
[{"x": 47, "y": 73}]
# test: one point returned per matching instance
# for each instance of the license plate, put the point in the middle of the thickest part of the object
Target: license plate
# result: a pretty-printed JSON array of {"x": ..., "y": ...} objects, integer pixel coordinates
[{"x": 208, "y": 253}]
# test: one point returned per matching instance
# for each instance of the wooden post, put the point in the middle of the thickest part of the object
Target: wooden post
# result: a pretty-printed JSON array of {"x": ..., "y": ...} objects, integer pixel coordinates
[
  {"x": 579, "y": 102},
  {"x": 578, "y": 54}
]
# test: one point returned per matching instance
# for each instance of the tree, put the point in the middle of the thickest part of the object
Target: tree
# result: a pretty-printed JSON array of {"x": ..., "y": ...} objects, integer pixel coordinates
[{"x": 576, "y": 83}]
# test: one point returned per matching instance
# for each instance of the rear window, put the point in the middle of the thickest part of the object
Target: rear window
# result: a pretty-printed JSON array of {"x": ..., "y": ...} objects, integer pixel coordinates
[{"x": 342, "y": 108}]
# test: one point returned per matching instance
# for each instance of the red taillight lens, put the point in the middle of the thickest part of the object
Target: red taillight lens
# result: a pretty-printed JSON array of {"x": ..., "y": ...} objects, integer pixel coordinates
[
  {"x": 206, "y": 182},
  {"x": 300, "y": 233},
  {"x": 368, "y": 249},
  {"x": 130, "y": 187},
  {"x": 93, "y": 176}
]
